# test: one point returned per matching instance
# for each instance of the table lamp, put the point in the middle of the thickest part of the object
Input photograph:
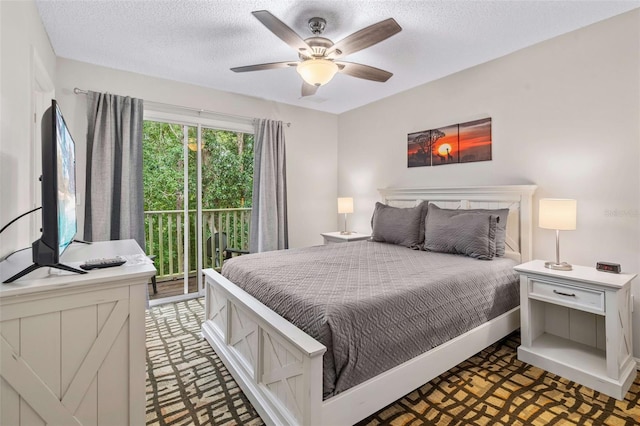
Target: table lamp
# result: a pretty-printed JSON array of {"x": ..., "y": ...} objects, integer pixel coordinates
[
  {"x": 345, "y": 206},
  {"x": 558, "y": 214}
]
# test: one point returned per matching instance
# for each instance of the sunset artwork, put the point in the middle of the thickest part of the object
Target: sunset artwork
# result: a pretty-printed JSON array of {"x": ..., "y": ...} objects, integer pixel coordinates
[{"x": 458, "y": 143}]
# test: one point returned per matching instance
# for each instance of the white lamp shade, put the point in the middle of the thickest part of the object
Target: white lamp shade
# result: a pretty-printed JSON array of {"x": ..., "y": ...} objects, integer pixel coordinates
[
  {"x": 555, "y": 213},
  {"x": 317, "y": 71},
  {"x": 345, "y": 205}
]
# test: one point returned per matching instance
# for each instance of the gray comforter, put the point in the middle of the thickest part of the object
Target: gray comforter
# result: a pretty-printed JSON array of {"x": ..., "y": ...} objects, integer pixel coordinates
[{"x": 375, "y": 305}]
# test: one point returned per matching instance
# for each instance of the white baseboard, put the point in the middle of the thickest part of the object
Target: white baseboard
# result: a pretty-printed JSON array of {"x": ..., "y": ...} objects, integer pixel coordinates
[{"x": 637, "y": 363}]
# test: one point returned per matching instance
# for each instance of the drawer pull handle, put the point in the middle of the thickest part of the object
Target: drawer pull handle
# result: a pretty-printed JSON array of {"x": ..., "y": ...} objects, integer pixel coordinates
[{"x": 564, "y": 294}]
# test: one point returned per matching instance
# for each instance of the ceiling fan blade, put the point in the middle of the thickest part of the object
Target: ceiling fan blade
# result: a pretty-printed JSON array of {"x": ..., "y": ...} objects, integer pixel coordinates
[
  {"x": 260, "y": 67},
  {"x": 308, "y": 89},
  {"x": 363, "y": 71},
  {"x": 283, "y": 31},
  {"x": 364, "y": 38}
]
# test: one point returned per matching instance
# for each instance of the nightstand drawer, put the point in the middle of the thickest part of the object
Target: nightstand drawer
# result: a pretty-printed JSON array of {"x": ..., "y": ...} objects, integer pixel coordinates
[{"x": 573, "y": 297}]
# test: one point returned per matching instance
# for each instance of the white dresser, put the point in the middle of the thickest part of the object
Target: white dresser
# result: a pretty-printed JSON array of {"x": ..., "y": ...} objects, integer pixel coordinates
[
  {"x": 73, "y": 346},
  {"x": 577, "y": 324}
]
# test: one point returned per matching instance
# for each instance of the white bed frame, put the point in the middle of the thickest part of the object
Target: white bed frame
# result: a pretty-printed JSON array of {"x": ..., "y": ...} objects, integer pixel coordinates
[{"x": 279, "y": 367}]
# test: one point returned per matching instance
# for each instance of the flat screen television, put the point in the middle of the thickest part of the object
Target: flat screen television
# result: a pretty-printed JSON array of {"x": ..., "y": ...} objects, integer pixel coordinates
[{"x": 59, "y": 224}]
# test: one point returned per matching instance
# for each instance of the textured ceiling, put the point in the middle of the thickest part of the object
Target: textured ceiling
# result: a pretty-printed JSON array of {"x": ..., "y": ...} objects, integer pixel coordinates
[{"x": 198, "y": 41}]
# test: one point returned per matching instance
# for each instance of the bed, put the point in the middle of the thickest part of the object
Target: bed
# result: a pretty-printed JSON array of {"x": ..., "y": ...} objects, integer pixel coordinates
[{"x": 291, "y": 378}]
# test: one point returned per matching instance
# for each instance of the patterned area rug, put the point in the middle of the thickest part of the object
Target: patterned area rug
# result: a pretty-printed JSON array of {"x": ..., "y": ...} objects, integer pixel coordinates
[{"x": 188, "y": 385}]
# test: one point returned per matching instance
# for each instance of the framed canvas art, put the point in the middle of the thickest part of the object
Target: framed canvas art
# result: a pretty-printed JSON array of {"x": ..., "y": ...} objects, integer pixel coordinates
[{"x": 458, "y": 143}]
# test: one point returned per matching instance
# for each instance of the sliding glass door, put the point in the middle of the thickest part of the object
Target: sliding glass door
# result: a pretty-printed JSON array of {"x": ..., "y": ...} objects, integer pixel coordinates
[
  {"x": 227, "y": 179},
  {"x": 170, "y": 200},
  {"x": 197, "y": 189}
]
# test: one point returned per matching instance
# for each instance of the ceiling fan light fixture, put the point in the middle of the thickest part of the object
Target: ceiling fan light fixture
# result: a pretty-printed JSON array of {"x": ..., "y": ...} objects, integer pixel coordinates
[{"x": 317, "y": 72}]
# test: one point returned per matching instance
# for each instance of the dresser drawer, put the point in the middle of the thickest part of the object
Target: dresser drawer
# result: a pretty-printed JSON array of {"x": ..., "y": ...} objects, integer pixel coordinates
[{"x": 565, "y": 295}]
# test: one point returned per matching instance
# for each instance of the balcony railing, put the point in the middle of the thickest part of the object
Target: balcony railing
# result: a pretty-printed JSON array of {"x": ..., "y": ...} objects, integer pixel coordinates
[{"x": 165, "y": 238}]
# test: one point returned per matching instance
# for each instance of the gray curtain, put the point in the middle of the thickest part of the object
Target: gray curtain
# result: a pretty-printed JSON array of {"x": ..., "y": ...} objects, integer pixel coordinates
[
  {"x": 114, "y": 206},
  {"x": 269, "y": 206}
]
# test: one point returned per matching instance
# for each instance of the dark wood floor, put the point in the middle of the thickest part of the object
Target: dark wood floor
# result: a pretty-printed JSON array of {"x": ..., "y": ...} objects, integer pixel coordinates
[{"x": 172, "y": 287}]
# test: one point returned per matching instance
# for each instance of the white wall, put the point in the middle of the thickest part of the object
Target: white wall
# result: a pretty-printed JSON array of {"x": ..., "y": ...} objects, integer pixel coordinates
[
  {"x": 22, "y": 40},
  {"x": 311, "y": 141},
  {"x": 565, "y": 116}
]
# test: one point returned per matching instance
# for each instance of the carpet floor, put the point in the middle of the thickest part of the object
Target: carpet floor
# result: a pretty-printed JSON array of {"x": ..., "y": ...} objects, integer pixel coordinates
[{"x": 187, "y": 384}]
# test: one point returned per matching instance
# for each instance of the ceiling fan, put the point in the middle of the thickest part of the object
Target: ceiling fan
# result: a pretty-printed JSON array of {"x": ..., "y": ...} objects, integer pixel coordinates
[{"x": 320, "y": 57}]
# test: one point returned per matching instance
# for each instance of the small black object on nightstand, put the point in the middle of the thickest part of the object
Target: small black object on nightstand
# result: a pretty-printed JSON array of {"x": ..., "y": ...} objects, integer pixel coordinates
[{"x": 614, "y": 268}]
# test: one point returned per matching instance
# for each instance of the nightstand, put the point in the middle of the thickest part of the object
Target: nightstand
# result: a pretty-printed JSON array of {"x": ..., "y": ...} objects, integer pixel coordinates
[
  {"x": 337, "y": 237},
  {"x": 577, "y": 324}
]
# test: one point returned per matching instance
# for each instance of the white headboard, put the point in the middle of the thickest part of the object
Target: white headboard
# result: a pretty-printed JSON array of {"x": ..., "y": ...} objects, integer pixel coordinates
[{"x": 517, "y": 198}]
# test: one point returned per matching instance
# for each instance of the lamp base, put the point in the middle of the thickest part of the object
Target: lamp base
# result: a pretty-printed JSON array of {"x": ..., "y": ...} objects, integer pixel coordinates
[
  {"x": 562, "y": 266},
  {"x": 345, "y": 232}
]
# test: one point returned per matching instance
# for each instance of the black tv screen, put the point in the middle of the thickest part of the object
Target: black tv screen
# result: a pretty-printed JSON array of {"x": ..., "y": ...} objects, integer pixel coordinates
[
  {"x": 66, "y": 168},
  {"x": 59, "y": 224}
]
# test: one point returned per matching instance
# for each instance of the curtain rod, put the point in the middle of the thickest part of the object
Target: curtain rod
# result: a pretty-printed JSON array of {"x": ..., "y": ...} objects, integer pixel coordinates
[{"x": 85, "y": 92}]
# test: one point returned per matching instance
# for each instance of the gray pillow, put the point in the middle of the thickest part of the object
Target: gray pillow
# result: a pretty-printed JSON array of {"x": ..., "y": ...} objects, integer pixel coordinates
[
  {"x": 471, "y": 234},
  {"x": 501, "y": 227},
  {"x": 402, "y": 226}
]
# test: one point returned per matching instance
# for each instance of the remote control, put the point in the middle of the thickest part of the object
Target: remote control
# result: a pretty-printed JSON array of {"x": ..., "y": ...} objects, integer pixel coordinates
[{"x": 106, "y": 262}]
